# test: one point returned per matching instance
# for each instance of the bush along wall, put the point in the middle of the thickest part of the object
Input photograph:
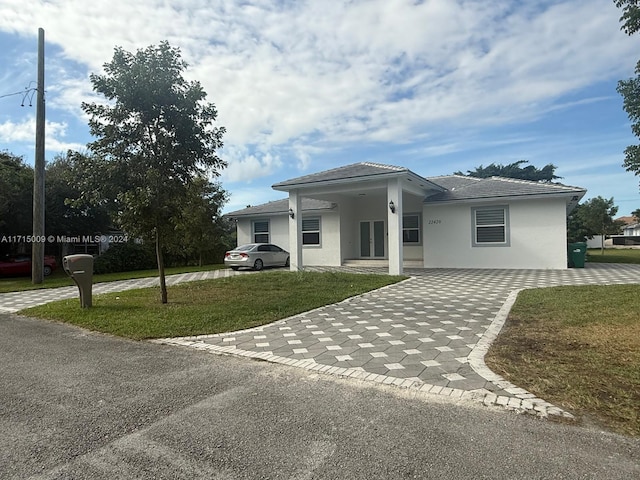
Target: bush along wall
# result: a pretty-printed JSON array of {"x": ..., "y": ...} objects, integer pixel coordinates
[{"x": 125, "y": 257}]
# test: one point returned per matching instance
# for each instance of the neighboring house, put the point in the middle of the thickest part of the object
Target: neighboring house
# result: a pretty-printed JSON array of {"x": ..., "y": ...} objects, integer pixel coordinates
[
  {"x": 632, "y": 227},
  {"x": 382, "y": 212},
  {"x": 630, "y": 232}
]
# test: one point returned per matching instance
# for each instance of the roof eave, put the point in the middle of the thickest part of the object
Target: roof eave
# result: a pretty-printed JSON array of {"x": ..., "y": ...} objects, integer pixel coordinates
[
  {"x": 274, "y": 213},
  {"x": 535, "y": 196},
  {"x": 428, "y": 184},
  {"x": 285, "y": 187}
]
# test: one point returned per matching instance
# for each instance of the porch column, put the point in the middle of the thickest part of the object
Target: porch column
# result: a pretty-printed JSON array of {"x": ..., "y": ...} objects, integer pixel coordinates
[
  {"x": 394, "y": 222},
  {"x": 295, "y": 231}
]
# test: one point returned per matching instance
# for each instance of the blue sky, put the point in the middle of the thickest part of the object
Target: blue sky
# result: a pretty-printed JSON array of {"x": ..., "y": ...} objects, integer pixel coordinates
[{"x": 303, "y": 86}]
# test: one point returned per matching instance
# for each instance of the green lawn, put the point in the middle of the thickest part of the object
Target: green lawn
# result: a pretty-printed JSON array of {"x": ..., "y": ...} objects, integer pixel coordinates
[
  {"x": 613, "y": 255},
  {"x": 579, "y": 348},
  {"x": 60, "y": 279},
  {"x": 211, "y": 306}
]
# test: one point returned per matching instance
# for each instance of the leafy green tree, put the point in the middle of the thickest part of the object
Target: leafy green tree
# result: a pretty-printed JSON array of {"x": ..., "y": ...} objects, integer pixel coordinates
[
  {"x": 515, "y": 170},
  {"x": 636, "y": 213},
  {"x": 198, "y": 228},
  {"x": 16, "y": 195},
  {"x": 596, "y": 218},
  {"x": 630, "y": 88},
  {"x": 630, "y": 15},
  {"x": 154, "y": 135},
  {"x": 577, "y": 231},
  {"x": 66, "y": 213}
]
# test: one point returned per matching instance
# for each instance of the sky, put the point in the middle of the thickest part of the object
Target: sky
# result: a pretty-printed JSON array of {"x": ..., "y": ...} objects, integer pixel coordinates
[{"x": 302, "y": 86}]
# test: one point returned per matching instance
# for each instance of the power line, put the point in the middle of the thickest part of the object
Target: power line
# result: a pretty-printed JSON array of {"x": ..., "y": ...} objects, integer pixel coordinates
[{"x": 27, "y": 93}]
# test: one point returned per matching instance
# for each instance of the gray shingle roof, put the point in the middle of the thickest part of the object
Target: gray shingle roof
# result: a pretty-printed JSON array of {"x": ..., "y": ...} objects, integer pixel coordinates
[
  {"x": 458, "y": 188},
  {"x": 469, "y": 188},
  {"x": 450, "y": 182},
  {"x": 281, "y": 206},
  {"x": 355, "y": 170}
]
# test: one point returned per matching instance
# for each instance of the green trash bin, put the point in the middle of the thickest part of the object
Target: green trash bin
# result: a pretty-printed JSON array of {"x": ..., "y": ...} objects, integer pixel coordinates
[{"x": 577, "y": 254}]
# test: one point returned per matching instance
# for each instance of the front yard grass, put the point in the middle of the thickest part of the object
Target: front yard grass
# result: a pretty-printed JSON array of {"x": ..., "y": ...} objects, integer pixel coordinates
[
  {"x": 211, "y": 306},
  {"x": 613, "y": 255},
  {"x": 579, "y": 348}
]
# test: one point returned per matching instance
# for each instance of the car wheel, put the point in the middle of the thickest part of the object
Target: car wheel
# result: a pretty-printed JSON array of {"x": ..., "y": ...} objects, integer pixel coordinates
[
  {"x": 235, "y": 269},
  {"x": 258, "y": 265},
  {"x": 47, "y": 270},
  {"x": 286, "y": 264}
]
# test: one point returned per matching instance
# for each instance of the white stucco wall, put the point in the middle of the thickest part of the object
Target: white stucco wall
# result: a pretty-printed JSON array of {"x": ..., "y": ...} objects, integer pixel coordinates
[
  {"x": 537, "y": 234},
  {"x": 328, "y": 253},
  {"x": 243, "y": 231},
  {"x": 373, "y": 208},
  {"x": 278, "y": 230}
]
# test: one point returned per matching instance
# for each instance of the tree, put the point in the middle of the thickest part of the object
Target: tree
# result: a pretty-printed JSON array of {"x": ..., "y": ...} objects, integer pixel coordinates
[
  {"x": 514, "y": 170},
  {"x": 198, "y": 228},
  {"x": 577, "y": 231},
  {"x": 596, "y": 218},
  {"x": 630, "y": 89},
  {"x": 16, "y": 195},
  {"x": 636, "y": 213},
  {"x": 66, "y": 212},
  {"x": 154, "y": 135},
  {"x": 630, "y": 15}
]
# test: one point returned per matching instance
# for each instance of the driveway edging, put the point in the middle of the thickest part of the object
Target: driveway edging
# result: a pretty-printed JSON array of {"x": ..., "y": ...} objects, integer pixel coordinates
[{"x": 528, "y": 401}]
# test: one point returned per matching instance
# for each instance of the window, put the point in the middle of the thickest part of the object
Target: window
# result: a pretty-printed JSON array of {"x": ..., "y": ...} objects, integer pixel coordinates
[
  {"x": 411, "y": 229},
  {"x": 310, "y": 231},
  {"x": 490, "y": 226},
  {"x": 261, "y": 231}
]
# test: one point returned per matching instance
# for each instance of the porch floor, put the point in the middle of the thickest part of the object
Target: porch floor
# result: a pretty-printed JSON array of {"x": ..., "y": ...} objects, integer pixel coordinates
[{"x": 382, "y": 263}]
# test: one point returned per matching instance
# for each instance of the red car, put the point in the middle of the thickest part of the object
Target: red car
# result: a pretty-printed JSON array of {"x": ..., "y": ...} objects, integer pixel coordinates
[{"x": 16, "y": 265}]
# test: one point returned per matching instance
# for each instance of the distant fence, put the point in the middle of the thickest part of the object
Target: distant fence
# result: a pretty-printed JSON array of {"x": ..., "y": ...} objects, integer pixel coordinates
[{"x": 626, "y": 240}]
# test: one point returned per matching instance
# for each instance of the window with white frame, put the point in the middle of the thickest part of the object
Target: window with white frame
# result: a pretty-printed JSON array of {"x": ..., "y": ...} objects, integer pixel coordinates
[
  {"x": 490, "y": 226},
  {"x": 260, "y": 231},
  {"x": 311, "y": 231},
  {"x": 411, "y": 229}
]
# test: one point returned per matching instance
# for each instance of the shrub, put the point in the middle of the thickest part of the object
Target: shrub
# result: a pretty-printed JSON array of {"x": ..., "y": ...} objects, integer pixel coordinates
[{"x": 125, "y": 257}]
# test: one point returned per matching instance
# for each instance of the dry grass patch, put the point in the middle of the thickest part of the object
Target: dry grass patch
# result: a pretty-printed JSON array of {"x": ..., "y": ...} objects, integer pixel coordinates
[{"x": 579, "y": 348}]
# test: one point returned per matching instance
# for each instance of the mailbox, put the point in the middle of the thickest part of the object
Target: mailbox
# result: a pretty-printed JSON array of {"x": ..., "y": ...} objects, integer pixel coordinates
[{"x": 80, "y": 269}]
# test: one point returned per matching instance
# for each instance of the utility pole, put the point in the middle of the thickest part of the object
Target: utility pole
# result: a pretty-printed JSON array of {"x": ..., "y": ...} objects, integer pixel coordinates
[{"x": 37, "y": 242}]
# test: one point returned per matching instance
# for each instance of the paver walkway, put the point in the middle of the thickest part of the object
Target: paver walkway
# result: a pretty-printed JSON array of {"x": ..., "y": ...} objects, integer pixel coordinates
[
  {"x": 429, "y": 332},
  {"x": 14, "y": 301}
]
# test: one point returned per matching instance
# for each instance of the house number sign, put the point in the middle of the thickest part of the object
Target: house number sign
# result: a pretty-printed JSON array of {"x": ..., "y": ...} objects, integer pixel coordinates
[{"x": 434, "y": 221}]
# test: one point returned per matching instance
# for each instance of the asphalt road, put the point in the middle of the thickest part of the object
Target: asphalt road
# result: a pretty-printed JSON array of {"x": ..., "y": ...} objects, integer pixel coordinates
[{"x": 76, "y": 405}]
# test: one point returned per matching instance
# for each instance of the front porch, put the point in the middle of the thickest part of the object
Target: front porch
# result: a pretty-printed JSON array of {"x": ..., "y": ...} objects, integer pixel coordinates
[
  {"x": 379, "y": 211},
  {"x": 357, "y": 262}
]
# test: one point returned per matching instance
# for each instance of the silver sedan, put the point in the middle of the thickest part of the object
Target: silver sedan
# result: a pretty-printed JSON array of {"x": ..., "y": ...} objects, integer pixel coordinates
[{"x": 256, "y": 256}]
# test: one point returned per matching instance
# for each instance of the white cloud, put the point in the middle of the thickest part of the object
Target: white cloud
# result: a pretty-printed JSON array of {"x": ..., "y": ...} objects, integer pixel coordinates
[
  {"x": 242, "y": 197},
  {"x": 294, "y": 76},
  {"x": 243, "y": 166},
  {"x": 25, "y": 132}
]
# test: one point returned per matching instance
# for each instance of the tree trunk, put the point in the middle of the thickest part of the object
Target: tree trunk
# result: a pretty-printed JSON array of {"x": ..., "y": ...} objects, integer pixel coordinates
[
  {"x": 200, "y": 259},
  {"x": 163, "y": 284}
]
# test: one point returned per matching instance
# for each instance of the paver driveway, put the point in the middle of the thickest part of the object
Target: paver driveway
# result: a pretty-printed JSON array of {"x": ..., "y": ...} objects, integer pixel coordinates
[{"x": 428, "y": 331}]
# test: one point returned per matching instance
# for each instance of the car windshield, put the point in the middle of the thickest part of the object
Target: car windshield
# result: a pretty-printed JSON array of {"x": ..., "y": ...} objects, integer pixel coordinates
[{"x": 245, "y": 248}]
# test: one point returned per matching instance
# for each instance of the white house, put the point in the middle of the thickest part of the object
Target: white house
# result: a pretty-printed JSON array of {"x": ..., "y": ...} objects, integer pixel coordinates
[
  {"x": 382, "y": 212},
  {"x": 631, "y": 230}
]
